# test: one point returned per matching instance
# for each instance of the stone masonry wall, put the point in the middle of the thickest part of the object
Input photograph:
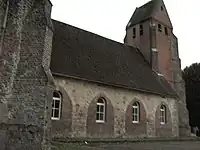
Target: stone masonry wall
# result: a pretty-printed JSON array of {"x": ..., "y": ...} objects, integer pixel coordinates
[
  {"x": 179, "y": 86},
  {"x": 82, "y": 94},
  {"x": 139, "y": 40},
  {"x": 25, "y": 87}
]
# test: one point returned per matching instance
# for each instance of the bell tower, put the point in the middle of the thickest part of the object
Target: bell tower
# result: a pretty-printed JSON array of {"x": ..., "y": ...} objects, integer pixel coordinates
[{"x": 150, "y": 29}]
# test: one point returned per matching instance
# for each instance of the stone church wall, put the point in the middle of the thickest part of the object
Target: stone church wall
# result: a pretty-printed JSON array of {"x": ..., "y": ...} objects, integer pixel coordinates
[
  {"x": 79, "y": 105},
  {"x": 25, "y": 84}
]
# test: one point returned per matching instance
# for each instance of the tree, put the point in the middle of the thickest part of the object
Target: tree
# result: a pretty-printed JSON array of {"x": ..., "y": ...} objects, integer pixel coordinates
[{"x": 191, "y": 76}]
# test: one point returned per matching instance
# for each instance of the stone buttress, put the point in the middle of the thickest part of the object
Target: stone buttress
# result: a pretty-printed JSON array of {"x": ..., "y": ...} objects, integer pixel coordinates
[{"x": 25, "y": 79}]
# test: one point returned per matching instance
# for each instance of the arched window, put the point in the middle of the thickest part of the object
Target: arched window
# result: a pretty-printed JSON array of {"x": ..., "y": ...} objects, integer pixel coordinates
[
  {"x": 136, "y": 112},
  {"x": 56, "y": 106},
  {"x": 163, "y": 115},
  {"x": 101, "y": 108}
]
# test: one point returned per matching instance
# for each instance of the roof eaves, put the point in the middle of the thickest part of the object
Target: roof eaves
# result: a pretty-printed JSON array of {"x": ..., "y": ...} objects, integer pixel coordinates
[
  {"x": 115, "y": 85},
  {"x": 161, "y": 77}
]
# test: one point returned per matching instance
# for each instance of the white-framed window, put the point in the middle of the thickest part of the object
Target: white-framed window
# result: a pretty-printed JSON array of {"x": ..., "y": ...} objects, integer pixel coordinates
[
  {"x": 56, "y": 106},
  {"x": 136, "y": 112},
  {"x": 163, "y": 114},
  {"x": 101, "y": 110}
]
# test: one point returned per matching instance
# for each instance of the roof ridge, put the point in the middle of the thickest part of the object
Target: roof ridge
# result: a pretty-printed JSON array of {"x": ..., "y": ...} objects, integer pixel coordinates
[{"x": 84, "y": 30}]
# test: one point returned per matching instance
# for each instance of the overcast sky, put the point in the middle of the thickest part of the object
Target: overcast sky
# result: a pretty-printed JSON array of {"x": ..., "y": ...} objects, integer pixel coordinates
[{"x": 109, "y": 18}]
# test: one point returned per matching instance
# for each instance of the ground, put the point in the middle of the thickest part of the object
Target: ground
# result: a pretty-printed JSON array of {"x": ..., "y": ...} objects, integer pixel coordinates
[{"x": 168, "y": 145}]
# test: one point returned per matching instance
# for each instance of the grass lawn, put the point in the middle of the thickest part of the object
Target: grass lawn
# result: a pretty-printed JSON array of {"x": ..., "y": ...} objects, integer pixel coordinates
[{"x": 58, "y": 146}]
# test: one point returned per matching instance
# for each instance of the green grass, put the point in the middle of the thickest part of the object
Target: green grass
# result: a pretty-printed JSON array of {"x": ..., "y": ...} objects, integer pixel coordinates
[{"x": 59, "y": 146}]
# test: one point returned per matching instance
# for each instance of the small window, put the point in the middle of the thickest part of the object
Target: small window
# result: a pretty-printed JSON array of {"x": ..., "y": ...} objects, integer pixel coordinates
[
  {"x": 159, "y": 28},
  {"x": 100, "y": 112},
  {"x": 166, "y": 31},
  {"x": 136, "y": 112},
  {"x": 141, "y": 30},
  {"x": 163, "y": 115},
  {"x": 161, "y": 8},
  {"x": 56, "y": 106},
  {"x": 134, "y": 32}
]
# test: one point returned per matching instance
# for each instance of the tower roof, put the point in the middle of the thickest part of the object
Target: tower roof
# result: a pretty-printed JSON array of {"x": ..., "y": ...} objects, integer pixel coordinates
[{"x": 142, "y": 13}]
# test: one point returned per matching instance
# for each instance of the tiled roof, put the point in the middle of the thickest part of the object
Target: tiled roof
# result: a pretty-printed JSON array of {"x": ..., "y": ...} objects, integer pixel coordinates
[
  {"x": 80, "y": 54},
  {"x": 142, "y": 13}
]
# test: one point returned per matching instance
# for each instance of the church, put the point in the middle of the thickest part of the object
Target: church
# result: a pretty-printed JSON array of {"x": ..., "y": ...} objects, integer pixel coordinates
[
  {"x": 60, "y": 81},
  {"x": 110, "y": 89}
]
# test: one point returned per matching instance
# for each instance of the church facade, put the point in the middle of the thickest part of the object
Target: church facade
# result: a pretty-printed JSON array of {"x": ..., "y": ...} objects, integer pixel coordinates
[{"x": 60, "y": 81}]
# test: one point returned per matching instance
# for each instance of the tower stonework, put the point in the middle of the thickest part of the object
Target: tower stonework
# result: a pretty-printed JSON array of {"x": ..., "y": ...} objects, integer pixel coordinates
[
  {"x": 179, "y": 86},
  {"x": 26, "y": 83},
  {"x": 151, "y": 30}
]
